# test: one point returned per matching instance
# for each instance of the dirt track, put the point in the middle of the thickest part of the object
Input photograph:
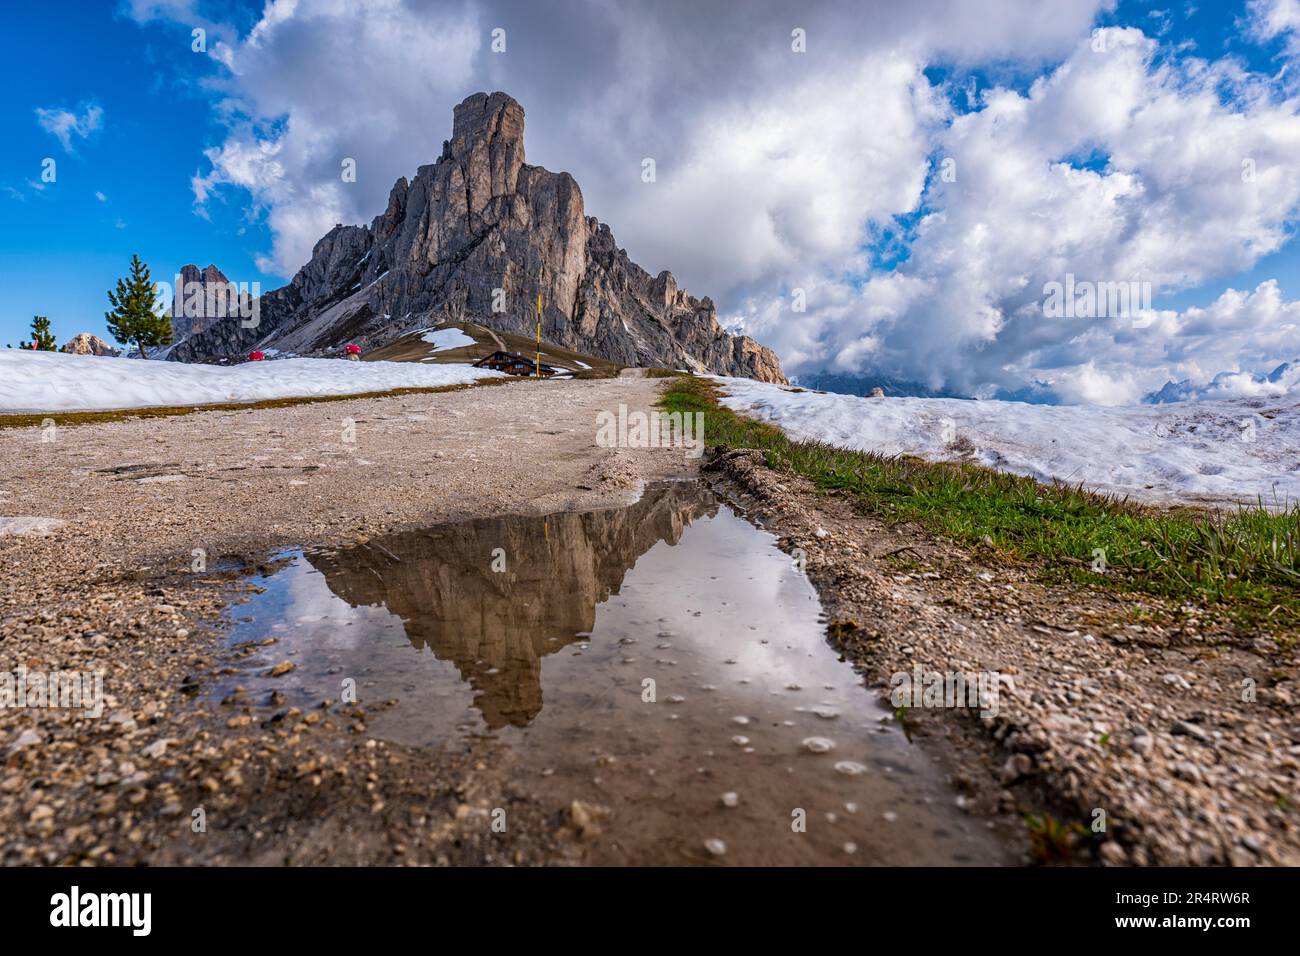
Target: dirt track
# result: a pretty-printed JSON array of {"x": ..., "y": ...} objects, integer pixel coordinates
[
  {"x": 149, "y": 491},
  {"x": 113, "y": 587},
  {"x": 1116, "y": 707}
]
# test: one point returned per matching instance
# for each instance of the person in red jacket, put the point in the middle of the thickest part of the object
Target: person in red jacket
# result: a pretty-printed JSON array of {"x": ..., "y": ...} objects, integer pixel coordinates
[
  {"x": 353, "y": 352},
  {"x": 256, "y": 356}
]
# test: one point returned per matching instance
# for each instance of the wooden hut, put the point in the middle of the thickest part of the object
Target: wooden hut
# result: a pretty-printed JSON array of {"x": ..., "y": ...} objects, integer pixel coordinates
[{"x": 513, "y": 364}]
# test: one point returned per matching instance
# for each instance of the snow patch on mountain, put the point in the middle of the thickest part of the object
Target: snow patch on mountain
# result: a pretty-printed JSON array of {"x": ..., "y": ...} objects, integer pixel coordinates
[{"x": 446, "y": 339}]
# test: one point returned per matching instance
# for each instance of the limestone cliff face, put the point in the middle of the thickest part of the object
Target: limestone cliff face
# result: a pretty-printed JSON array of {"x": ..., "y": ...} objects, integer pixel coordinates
[
  {"x": 477, "y": 220},
  {"x": 201, "y": 298},
  {"x": 496, "y": 625}
]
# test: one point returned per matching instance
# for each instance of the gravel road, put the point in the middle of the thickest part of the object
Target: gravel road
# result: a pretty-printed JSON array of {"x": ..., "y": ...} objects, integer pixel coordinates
[
  {"x": 132, "y": 536},
  {"x": 123, "y": 543}
]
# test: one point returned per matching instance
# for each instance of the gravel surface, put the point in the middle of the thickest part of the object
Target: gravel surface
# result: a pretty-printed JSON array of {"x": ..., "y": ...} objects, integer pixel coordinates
[
  {"x": 122, "y": 544},
  {"x": 107, "y": 582},
  {"x": 1180, "y": 738}
]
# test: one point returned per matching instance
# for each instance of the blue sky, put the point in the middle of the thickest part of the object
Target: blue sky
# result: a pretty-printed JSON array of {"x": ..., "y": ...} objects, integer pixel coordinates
[
  {"x": 61, "y": 247},
  {"x": 325, "y": 80}
]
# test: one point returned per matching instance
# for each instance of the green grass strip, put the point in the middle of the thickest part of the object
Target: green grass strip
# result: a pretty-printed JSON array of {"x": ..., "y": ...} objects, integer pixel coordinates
[{"x": 1244, "y": 561}]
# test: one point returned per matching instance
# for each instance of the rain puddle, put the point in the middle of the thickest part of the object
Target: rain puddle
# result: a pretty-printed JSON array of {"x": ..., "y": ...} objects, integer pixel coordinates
[{"x": 758, "y": 739}]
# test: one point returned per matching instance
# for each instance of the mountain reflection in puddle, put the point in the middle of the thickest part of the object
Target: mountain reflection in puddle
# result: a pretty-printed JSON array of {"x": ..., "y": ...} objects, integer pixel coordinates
[
  {"x": 547, "y": 634},
  {"x": 494, "y": 596}
]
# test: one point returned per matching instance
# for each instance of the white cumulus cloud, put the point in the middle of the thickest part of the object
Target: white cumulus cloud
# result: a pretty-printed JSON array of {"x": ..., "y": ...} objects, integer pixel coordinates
[
  {"x": 780, "y": 175},
  {"x": 1114, "y": 167}
]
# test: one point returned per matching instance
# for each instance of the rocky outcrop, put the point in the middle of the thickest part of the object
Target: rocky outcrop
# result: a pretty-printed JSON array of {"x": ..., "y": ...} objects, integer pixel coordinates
[
  {"x": 87, "y": 344},
  {"x": 201, "y": 299},
  {"x": 478, "y": 235}
]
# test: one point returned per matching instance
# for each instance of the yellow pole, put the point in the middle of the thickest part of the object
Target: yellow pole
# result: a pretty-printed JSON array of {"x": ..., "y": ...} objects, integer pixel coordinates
[{"x": 537, "y": 371}]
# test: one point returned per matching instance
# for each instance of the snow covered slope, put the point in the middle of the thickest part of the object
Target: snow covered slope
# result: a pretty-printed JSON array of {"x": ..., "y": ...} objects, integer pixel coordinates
[
  {"x": 444, "y": 339},
  {"x": 54, "y": 382},
  {"x": 1240, "y": 450}
]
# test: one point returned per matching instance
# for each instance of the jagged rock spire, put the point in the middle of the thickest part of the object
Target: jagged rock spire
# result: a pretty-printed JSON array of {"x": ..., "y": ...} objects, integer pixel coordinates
[{"x": 477, "y": 221}]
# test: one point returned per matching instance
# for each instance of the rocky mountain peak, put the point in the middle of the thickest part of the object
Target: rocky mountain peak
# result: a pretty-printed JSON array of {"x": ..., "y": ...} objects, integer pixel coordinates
[
  {"x": 664, "y": 290},
  {"x": 201, "y": 298},
  {"x": 479, "y": 236},
  {"x": 490, "y": 121},
  {"x": 86, "y": 344}
]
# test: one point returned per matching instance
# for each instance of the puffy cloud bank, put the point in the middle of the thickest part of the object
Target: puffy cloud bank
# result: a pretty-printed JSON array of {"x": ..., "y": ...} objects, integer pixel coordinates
[{"x": 893, "y": 200}]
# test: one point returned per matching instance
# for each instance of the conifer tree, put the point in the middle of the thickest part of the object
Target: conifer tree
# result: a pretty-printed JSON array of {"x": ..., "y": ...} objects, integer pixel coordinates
[
  {"x": 137, "y": 315},
  {"x": 42, "y": 337}
]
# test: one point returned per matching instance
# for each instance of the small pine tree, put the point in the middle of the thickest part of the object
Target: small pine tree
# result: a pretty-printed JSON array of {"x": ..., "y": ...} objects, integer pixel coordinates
[
  {"x": 137, "y": 315},
  {"x": 42, "y": 337}
]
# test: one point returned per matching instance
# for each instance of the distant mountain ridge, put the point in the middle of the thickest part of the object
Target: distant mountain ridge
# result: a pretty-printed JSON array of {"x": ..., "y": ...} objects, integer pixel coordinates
[
  {"x": 477, "y": 236},
  {"x": 863, "y": 382},
  {"x": 1283, "y": 379},
  {"x": 201, "y": 298},
  {"x": 84, "y": 343}
]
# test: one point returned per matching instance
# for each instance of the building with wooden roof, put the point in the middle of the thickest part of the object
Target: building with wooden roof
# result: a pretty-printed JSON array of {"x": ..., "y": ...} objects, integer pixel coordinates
[{"x": 513, "y": 364}]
